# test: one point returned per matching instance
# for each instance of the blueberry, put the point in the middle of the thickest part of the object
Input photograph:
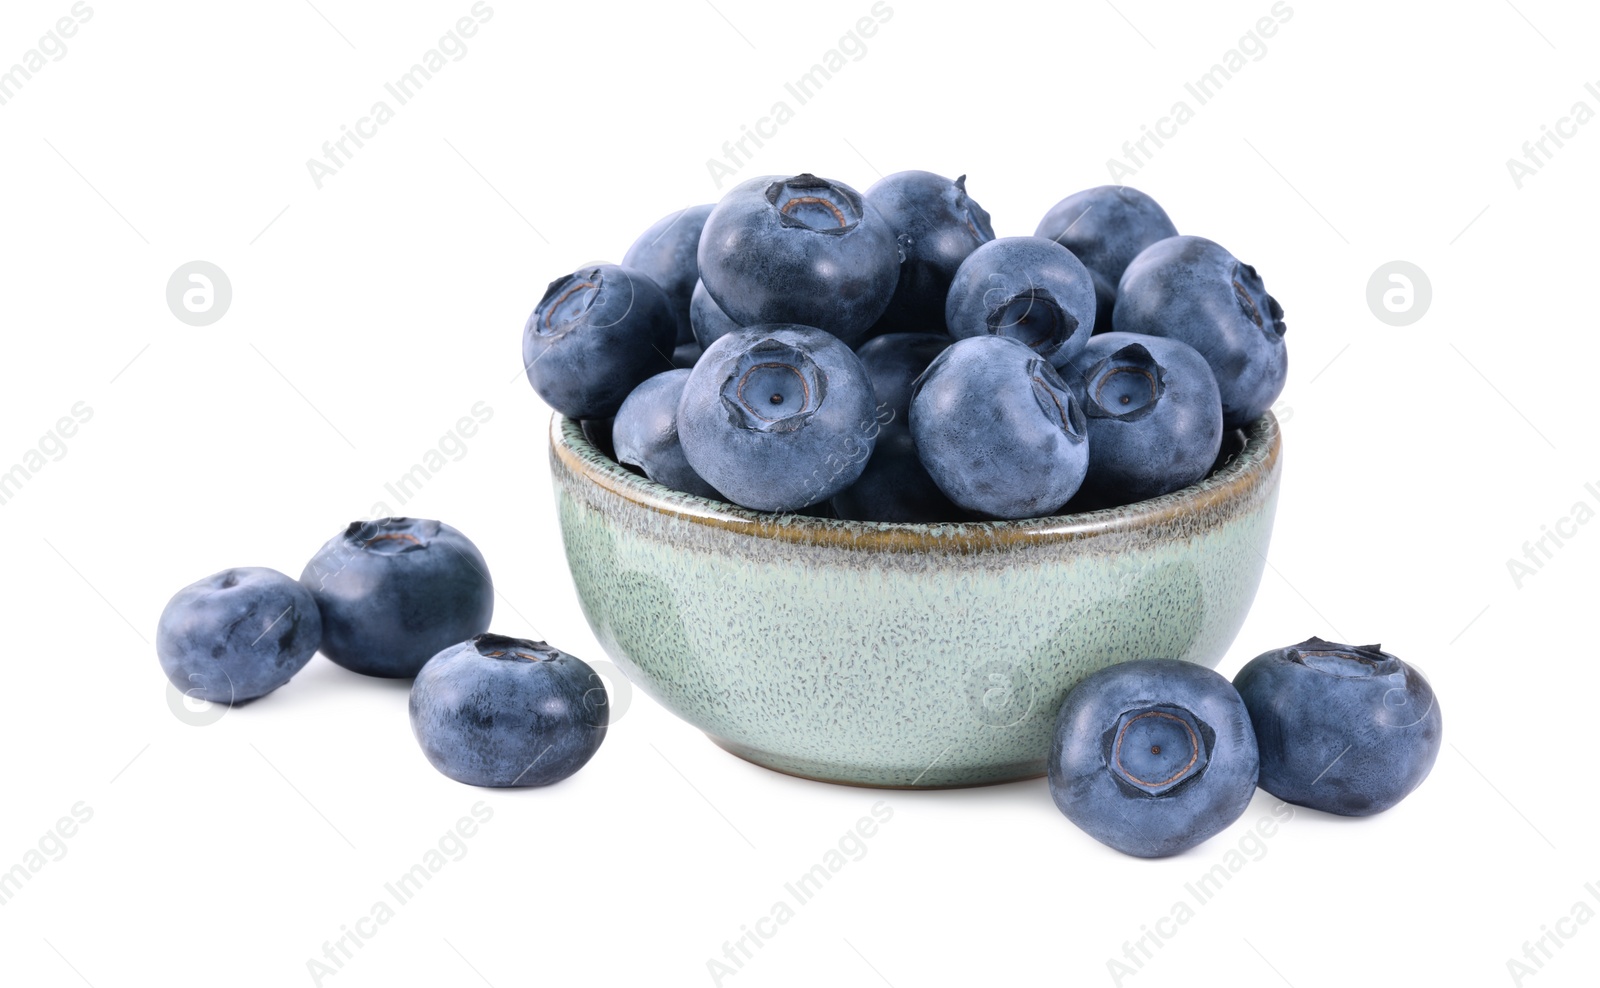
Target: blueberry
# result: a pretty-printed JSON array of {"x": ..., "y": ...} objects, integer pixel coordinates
[
  {"x": 1102, "y": 345},
  {"x": 895, "y": 486},
  {"x": 237, "y": 634},
  {"x": 598, "y": 432},
  {"x": 1154, "y": 416},
  {"x": 998, "y": 429},
  {"x": 937, "y": 225},
  {"x": 778, "y": 417},
  {"x": 395, "y": 591},
  {"x": 1343, "y": 729},
  {"x": 1106, "y": 227},
  {"x": 1153, "y": 756},
  {"x": 646, "y": 434},
  {"x": 1191, "y": 289},
  {"x": 498, "y": 711},
  {"x": 684, "y": 355},
  {"x": 707, "y": 318},
  {"x": 802, "y": 250},
  {"x": 893, "y": 362},
  {"x": 594, "y": 336},
  {"x": 1026, "y": 288},
  {"x": 666, "y": 253}
]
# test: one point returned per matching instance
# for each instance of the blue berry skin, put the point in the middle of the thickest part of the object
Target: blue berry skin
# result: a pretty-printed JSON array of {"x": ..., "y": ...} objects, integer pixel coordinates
[
  {"x": 684, "y": 355},
  {"x": 707, "y": 318},
  {"x": 238, "y": 634},
  {"x": 594, "y": 336},
  {"x": 895, "y": 486},
  {"x": 778, "y": 417},
  {"x": 645, "y": 435},
  {"x": 936, "y": 225},
  {"x": 1154, "y": 417},
  {"x": 1025, "y": 288},
  {"x": 802, "y": 250},
  {"x": 1345, "y": 729},
  {"x": 508, "y": 712},
  {"x": 666, "y": 253},
  {"x": 998, "y": 429},
  {"x": 1106, "y": 227},
  {"x": 598, "y": 432},
  {"x": 1153, "y": 757},
  {"x": 893, "y": 362},
  {"x": 1192, "y": 289},
  {"x": 395, "y": 591}
]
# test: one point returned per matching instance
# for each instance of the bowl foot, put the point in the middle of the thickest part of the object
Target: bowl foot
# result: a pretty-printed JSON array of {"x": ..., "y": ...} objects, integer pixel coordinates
[{"x": 870, "y": 778}]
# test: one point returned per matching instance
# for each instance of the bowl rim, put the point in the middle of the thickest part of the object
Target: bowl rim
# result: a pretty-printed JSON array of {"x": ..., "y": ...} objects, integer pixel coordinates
[{"x": 1248, "y": 470}]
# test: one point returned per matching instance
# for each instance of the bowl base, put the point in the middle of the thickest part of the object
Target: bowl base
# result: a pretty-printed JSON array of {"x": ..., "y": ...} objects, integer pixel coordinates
[{"x": 999, "y": 775}]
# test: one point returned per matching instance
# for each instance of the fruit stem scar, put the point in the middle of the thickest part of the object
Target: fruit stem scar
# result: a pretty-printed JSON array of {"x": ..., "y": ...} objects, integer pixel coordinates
[
  {"x": 1057, "y": 401},
  {"x": 776, "y": 399},
  {"x": 1099, "y": 392},
  {"x": 1331, "y": 653},
  {"x": 551, "y": 311},
  {"x": 515, "y": 653},
  {"x": 838, "y": 214},
  {"x": 1247, "y": 303},
  {"x": 394, "y": 536},
  {"x": 1194, "y": 749}
]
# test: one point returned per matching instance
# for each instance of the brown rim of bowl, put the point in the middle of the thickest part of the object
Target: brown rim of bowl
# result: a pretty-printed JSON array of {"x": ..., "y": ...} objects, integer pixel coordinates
[{"x": 1248, "y": 470}]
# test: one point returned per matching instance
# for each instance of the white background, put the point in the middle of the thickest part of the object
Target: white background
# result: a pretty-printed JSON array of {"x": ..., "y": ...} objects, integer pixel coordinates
[{"x": 368, "y": 316}]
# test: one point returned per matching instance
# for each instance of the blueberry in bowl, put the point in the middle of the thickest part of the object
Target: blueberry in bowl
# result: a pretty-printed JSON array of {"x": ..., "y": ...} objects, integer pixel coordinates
[
  {"x": 1106, "y": 227},
  {"x": 902, "y": 654},
  {"x": 895, "y": 485},
  {"x": 594, "y": 336},
  {"x": 1153, "y": 414},
  {"x": 778, "y": 417},
  {"x": 1028, "y": 289},
  {"x": 893, "y": 362},
  {"x": 936, "y": 225},
  {"x": 799, "y": 249},
  {"x": 998, "y": 429},
  {"x": 1192, "y": 289},
  {"x": 706, "y": 318},
  {"x": 667, "y": 254},
  {"x": 645, "y": 434}
]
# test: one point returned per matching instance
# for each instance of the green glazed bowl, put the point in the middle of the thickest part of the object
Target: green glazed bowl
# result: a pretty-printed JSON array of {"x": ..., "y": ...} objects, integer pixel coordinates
[{"x": 901, "y": 655}]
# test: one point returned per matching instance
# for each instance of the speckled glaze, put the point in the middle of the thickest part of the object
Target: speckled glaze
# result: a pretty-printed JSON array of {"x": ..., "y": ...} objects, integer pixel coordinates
[{"x": 899, "y": 655}]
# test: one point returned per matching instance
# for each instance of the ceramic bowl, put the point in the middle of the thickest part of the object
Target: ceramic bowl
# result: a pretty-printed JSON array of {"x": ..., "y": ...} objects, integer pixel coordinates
[{"x": 901, "y": 655}]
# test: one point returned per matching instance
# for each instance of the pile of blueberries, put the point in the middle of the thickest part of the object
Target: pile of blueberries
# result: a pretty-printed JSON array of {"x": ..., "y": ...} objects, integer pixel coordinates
[
  {"x": 396, "y": 598},
  {"x": 801, "y": 346}
]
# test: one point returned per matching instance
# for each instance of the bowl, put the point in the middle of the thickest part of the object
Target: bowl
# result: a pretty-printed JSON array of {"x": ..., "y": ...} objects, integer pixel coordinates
[{"x": 902, "y": 655}]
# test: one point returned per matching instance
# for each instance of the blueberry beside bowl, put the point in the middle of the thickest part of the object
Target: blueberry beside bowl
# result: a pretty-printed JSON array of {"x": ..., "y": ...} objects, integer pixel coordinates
[
  {"x": 1153, "y": 756},
  {"x": 1342, "y": 728},
  {"x": 392, "y": 592},
  {"x": 506, "y": 712}
]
